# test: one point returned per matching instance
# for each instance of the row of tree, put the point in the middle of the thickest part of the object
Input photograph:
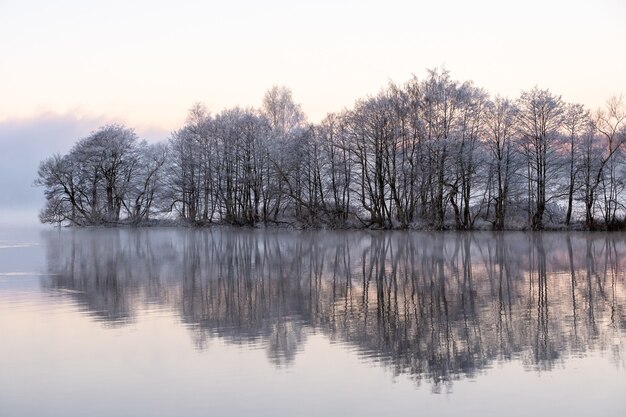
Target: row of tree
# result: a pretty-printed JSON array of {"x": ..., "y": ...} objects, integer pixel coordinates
[{"x": 433, "y": 153}]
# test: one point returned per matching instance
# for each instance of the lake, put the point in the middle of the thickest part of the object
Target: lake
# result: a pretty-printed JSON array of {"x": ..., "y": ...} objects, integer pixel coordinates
[{"x": 189, "y": 322}]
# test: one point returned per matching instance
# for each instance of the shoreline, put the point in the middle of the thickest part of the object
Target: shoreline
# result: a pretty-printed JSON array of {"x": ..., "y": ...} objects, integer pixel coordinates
[{"x": 578, "y": 227}]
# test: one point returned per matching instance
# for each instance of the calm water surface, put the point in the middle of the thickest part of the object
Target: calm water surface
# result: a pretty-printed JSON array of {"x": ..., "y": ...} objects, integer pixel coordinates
[{"x": 183, "y": 322}]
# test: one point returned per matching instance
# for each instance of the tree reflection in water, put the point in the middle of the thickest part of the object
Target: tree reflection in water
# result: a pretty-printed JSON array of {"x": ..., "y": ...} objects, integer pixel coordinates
[{"x": 436, "y": 306}]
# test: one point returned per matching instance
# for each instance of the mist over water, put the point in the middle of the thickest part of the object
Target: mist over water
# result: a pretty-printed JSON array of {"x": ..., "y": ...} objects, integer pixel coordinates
[{"x": 397, "y": 317}]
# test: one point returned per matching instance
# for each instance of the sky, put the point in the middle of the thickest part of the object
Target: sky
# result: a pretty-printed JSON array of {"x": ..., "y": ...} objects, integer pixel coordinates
[{"x": 69, "y": 66}]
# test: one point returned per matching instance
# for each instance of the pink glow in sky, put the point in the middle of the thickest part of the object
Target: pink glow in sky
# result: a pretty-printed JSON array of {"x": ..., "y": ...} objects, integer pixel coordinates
[{"x": 146, "y": 62}]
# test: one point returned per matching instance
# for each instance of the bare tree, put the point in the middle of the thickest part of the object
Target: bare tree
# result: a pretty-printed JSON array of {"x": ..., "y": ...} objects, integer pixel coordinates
[
  {"x": 576, "y": 120},
  {"x": 91, "y": 183},
  {"x": 501, "y": 128},
  {"x": 539, "y": 120},
  {"x": 440, "y": 102},
  {"x": 610, "y": 124}
]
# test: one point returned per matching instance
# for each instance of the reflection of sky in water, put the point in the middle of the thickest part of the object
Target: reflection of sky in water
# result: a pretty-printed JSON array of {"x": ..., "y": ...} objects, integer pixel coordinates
[{"x": 186, "y": 322}]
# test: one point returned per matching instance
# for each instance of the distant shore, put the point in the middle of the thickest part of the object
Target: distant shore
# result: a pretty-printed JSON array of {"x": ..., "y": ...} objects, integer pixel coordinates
[{"x": 168, "y": 223}]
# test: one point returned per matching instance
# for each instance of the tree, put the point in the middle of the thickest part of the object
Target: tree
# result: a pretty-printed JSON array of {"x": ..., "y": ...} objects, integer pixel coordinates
[
  {"x": 285, "y": 115},
  {"x": 337, "y": 170},
  {"x": 501, "y": 126},
  {"x": 611, "y": 126},
  {"x": 575, "y": 121},
  {"x": 64, "y": 202},
  {"x": 109, "y": 157},
  {"x": 469, "y": 132},
  {"x": 540, "y": 117},
  {"x": 146, "y": 184},
  {"x": 92, "y": 183},
  {"x": 287, "y": 124},
  {"x": 440, "y": 104},
  {"x": 591, "y": 168}
]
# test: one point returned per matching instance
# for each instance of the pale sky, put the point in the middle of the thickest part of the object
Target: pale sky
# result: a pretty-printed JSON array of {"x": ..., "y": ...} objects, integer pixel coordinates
[{"x": 146, "y": 62}]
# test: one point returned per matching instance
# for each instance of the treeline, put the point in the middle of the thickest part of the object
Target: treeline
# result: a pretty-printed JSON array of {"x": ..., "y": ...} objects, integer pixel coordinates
[{"x": 432, "y": 153}]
